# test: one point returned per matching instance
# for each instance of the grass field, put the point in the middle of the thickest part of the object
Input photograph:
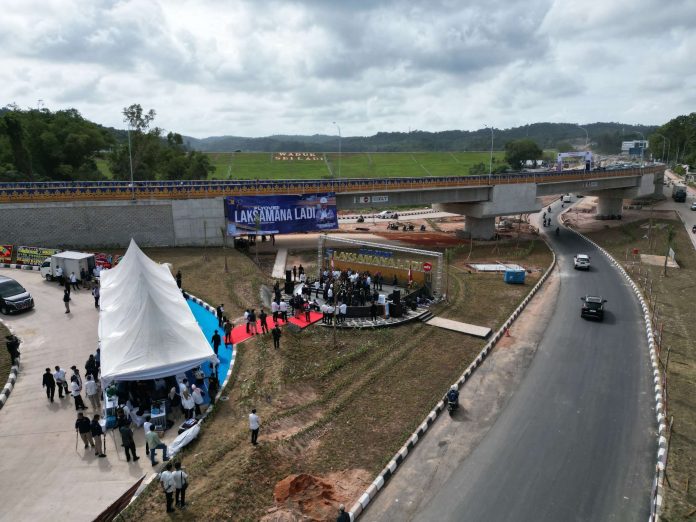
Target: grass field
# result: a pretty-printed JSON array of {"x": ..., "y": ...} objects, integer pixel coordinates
[
  {"x": 322, "y": 406},
  {"x": 244, "y": 165},
  {"x": 674, "y": 295}
]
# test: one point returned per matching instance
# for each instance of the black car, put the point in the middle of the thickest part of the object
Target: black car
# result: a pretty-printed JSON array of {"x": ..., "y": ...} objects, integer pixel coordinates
[
  {"x": 592, "y": 307},
  {"x": 13, "y": 296}
]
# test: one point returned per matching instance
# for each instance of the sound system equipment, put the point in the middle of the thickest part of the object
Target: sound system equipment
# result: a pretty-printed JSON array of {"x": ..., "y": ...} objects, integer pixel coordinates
[
  {"x": 288, "y": 276},
  {"x": 396, "y": 296},
  {"x": 289, "y": 287}
]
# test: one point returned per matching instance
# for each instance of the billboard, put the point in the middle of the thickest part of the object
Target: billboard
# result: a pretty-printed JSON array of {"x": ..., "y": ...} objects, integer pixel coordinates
[
  {"x": 28, "y": 255},
  {"x": 285, "y": 214},
  {"x": 5, "y": 253}
]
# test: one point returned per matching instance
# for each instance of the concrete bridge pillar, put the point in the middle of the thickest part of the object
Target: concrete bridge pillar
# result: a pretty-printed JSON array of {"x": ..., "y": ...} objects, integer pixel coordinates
[
  {"x": 608, "y": 207},
  {"x": 479, "y": 228}
]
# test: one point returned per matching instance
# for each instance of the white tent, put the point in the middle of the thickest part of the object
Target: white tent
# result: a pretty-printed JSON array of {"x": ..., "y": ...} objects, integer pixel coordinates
[{"x": 146, "y": 328}]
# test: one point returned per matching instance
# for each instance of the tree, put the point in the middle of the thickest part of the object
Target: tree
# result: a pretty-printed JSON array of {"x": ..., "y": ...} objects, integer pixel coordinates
[
  {"x": 144, "y": 146},
  {"x": 519, "y": 151},
  {"x": 478, "y": 169}
]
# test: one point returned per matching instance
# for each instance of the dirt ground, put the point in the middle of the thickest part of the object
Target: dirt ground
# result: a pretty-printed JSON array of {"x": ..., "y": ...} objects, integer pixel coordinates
[
  {"x": 677, "y": 317},
  {"x": 332, "y": 413}
]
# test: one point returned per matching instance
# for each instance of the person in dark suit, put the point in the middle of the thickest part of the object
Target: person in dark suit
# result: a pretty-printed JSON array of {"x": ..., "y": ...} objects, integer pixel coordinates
[{"x": 50, "y": 384}]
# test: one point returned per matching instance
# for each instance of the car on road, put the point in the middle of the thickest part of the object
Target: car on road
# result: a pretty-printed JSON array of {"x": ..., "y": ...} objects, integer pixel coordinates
[
  {"x": 693, "y": 206},
  {"x": 567, "y": 199},
  {"x": 13, "y": 296},
  {"x": 581, "y": 262},
  {"x": 388, "y": 214},
  {"x": 592, "y": 307}
]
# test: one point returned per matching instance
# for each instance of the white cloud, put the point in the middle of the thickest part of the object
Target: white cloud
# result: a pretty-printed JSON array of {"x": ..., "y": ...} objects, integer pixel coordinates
[{"x": 262, "y": 67}]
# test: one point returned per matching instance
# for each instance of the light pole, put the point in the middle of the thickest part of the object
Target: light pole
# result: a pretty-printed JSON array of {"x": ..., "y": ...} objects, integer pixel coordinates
[
  {"x": 587, "y": 137},
  {"x": 642, "y": 148},
  {"x": 663, "y": 144},
  {"x": 490, "y": 162},
  {"x": 339, "y": 149},
  {"x": 130, "y": 160}
]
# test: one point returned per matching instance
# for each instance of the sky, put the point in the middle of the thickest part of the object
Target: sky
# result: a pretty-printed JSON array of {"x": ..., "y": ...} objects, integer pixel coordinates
[{"x": 257, "y": 68}]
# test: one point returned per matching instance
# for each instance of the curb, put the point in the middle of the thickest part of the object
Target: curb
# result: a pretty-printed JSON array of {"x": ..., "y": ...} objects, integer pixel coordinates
[
  {"x": 20, "y": 267},
  {"x": 374, "y": 488},
  {"x": 11, "y": 379},
  {"x": 662, "y": 443}
]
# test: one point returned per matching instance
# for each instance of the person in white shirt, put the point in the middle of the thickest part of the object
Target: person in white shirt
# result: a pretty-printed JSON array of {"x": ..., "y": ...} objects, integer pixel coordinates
[
  {"x": 342, "y": 311},
  {"x": 188, "y": 404},
  {"x": 180, "y": 484},
  {"x": 59, "y": 275},
  {"x": 197, "y": 398},
  {"x": 283, "y": 308},
  {"x": 274, "y": 310},
  {"x": 59, "y": 376},
  {"x": 73, "y": 280},
  {"x": 254, "y": 425},
  {"x": 92, "y": 391},
  {"x": 167, "y": 482},
  {"x": 330, "y": 313},
  {"x": 75, "y": 392}
]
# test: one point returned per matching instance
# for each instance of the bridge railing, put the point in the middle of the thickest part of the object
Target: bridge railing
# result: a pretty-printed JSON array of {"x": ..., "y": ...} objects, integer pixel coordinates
[{"x": 195, "y": 189}]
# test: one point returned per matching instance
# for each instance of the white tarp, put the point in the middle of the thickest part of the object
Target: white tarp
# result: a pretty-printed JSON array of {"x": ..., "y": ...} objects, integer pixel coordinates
[{"x": 146, "y": 328}]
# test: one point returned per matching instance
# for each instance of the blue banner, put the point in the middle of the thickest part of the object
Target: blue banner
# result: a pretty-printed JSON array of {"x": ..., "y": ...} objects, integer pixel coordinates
[{"x": 285, "y": 214}]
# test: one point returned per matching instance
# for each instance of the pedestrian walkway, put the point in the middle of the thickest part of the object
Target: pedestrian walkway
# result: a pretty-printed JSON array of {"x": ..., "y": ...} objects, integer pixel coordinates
[{"x": 458, "y": 326}]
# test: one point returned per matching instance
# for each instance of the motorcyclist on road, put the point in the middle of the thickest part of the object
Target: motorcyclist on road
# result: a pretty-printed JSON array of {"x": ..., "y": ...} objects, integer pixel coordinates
[
  {"x": 549, "y": 210},
  {"x": 558, "y": 231},
  {"x": 453, "y": 395}
]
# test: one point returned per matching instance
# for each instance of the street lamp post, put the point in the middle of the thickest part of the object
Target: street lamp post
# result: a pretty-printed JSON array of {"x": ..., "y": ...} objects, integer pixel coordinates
[
  {"x": 663, "y": 145},
  {"x": 130, "y": 160},
  {"x": 642, "y": 148},
  {"x": 490, "y": 161},
  {"x": 339, "y": 149}
]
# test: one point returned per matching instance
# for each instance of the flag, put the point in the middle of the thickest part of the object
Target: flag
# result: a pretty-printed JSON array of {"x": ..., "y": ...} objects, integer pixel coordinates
[{"x": 410, "y": 275}]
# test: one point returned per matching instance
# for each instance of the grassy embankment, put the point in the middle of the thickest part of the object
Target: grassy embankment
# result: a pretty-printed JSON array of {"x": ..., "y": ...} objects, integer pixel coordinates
[
  {"x": 674, "y": 297},
  {"x": 5, "y": 360},
  {"x": 323, "y": 406}
]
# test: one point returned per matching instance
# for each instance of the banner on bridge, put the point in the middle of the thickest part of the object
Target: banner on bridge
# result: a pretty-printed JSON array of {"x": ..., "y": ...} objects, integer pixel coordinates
[{"x": 264, "y": 215}]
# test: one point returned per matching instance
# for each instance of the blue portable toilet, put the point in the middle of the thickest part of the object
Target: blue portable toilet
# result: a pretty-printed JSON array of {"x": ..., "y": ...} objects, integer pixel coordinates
[{"x": 513, "y": 276}]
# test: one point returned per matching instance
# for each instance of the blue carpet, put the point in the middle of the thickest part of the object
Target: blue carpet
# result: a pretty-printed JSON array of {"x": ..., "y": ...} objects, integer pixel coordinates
[{"x": 208, "y": 323}]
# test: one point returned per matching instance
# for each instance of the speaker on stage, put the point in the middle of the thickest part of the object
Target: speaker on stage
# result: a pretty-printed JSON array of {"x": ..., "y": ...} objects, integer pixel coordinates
[
  {"x": 289, "y": 287},
  {"x": 288, "y": 276}
]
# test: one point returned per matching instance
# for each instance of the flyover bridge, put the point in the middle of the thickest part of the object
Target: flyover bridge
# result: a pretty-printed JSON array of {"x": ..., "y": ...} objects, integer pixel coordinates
[{"x": 479, "y": 198}]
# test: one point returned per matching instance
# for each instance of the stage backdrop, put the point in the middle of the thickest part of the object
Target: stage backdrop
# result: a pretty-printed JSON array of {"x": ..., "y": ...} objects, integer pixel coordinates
[{"x": 280, "y": 214}]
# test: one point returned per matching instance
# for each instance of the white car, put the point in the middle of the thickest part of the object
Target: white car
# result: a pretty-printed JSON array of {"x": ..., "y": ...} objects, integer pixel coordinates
[
  {"x": 581, "y": 262},
  {"x": 388, "y": 214}
]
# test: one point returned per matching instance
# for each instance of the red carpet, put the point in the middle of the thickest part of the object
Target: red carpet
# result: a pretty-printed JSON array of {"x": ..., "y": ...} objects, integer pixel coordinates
[{"x": 239, "y": 333}]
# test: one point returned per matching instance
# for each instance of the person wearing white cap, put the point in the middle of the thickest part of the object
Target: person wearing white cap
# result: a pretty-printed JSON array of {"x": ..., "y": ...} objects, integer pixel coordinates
[{"x": 197, "y": 398}]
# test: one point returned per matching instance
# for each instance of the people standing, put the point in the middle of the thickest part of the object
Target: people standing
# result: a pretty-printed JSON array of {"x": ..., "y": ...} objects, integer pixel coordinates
[
  {"x": 92, "y": 392},
  {"x": 373, "y": 311},
  {"x": 187, "y": 403},
  {"x": 263, "y": 316},
  {"x": 84, "y": 428},
  {"x": 76, "y": 374},
  {"x": 154, "y": 443},
  {"x": 247, "y": 312},
  {"x": 178, "y": 279},
  {"x": 213, "y": 387},
  {"x": 12, "y": 343},
  {"x": 216, "y": 340},
  {"x": 168, "y": 486},
  {"x": 66, "y": 300},
  {"x": 307, "y": 315},
  {"x": 91, "y": 367},
  {"x": 59, "y": 275},
  {"x": 73, "y": 280},
  {"x": 180, "y": 484},
  {"x": 294, "y": 273},
  {"x": 276, "y": 336},
  {"x": 274, "y": 311},
  {"x": 128, "y": 442},
  {"x": 197, "y": 397},
  {"x": 95, "y": 294},
  {"x": 252, "y": 322},
  {"x": 97, "y": 434},
  {"x": 49, "y": 382},
  {"x": 254, "y": 425},
  {"x": 283, "y": 309},
  {"x": 227, "y": 329},
  {"x": 220, "y": 313},
  {"x": 59, "y": 376},
  {"x": 75, "y": 392},
  {"x": 342, "y": 515}
]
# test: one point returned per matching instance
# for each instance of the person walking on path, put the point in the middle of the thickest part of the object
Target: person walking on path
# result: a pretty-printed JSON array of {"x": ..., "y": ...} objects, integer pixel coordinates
[
  {"x": 263, "y": 317},
  {"x": 180, "y": 484},
  {"x": 92, "y": 392},
  {"x": 97, "y": 434},
  {"x": 84, "y": 428},
  {"x": 276, "y": 336},
  {"x": 73, "y": 280},
  {"x": 128, "y": 442},
  {"x": 95, "y": 294},
  {"x": 49, "y": 382},
  {"x": 254, "y": 425},
  {"x": 59, "y": 376},
  {"x": 216, "y": 340},
  {"x": 213, "y": 387},
  {"x": 167, "y": 482},
  {"x": 154, "y": 443},
  {"x": 178, "y": 279},
  {"x": 227, "y": 329},
  {"x": 66, "y": 300},
  {"x": 220, "y": 310},
  {"x": 75, "y": 392}
]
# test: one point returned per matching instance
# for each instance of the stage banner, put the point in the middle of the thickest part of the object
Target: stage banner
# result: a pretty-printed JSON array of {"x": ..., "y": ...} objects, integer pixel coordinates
[
  {"x": 5, "y": 253},
  {"x": 27, "y": 255},
  {"x": 257, "y": 215}
]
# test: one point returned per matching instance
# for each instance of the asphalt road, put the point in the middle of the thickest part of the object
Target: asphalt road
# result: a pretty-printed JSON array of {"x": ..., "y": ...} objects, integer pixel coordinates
[{"x": 577, "y": 440}]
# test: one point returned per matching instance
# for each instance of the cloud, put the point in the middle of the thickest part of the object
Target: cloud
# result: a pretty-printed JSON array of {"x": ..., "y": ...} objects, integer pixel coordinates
[{"x": 263, "y": 67}]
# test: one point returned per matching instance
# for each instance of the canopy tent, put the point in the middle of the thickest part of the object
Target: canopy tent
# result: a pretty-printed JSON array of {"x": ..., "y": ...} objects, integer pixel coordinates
[{"x": 146, "y": 328}]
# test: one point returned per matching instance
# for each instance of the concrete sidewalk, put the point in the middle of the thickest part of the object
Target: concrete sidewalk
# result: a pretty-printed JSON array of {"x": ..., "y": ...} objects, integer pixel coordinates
[{"x": 46, "y": 477}]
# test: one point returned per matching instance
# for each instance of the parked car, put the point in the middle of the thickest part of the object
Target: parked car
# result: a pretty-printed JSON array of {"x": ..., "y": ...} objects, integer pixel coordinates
[
  {"x": 13, "y": 296},
  {"x": 693, "y": 206},
  {"x": 592, "y": 307},
  {"x": 388, "y": 214},
  {"x": 581, "y": 262}
]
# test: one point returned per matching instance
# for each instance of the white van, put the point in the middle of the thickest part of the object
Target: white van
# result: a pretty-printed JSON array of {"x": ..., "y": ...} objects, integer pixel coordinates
[
  {"x": 69, "y": 262},
  {"x": 567, "y": 199}
]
